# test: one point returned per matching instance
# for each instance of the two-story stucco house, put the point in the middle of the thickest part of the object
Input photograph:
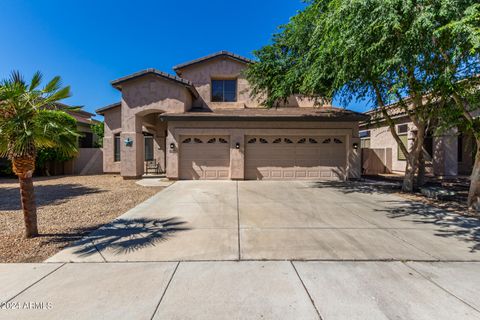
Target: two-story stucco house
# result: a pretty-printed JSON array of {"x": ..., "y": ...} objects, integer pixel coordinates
[{"x": 203, "y": 124}]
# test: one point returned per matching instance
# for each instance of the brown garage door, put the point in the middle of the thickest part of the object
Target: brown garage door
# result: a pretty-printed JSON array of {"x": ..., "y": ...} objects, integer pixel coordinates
[
  {"x": 203, "y": 157},
  {"x": 295, "y": 157}
]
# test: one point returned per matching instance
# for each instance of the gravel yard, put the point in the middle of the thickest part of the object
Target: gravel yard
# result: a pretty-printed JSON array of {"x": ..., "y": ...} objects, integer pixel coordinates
[{"x": 68, "y": 208}]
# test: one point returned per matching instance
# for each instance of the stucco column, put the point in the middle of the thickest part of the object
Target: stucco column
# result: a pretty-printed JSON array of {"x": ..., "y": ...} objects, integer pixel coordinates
[
  {"x": 445, "y": 154},
  {"x": 159, "y": 145},
  {"x": 107, "y": 153},
  {"x": 354, "y": 166},
  {"x": 237, "y": 156},
  {"x": 172, "y": 155},
  {"x": 132, "y": 153}
]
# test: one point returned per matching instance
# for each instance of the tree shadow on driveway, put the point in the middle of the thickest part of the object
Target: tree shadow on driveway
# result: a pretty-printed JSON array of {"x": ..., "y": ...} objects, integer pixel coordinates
[
  {"x": 126, "y": 235},
  {"x": 448, "y": 223}
]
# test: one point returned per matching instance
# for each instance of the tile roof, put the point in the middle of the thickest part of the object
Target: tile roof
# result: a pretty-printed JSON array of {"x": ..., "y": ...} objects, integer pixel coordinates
[
  {"x": 110, "y": 106},
  {"x": 222, "y": 53},
  {"x": 151, "y": 71},
  {"x": 294, "y": 113}
]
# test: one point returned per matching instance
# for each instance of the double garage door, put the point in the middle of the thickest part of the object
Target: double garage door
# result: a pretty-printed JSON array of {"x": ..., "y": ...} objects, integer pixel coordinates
[{"x": 266, "y": 157}]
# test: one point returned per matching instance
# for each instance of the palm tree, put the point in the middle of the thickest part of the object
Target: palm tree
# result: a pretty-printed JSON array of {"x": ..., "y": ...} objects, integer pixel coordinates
[{"x": 29, "y": 121}]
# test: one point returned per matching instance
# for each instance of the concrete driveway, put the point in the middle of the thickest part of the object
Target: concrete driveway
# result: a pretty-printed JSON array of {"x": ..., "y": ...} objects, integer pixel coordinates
[
  {"x": 169, "y": 257},
  {"x": 251, "y": 220}
]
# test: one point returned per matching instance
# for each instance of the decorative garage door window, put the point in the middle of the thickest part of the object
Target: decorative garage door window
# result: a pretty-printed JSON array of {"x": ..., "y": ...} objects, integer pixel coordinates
[
  {"x": 207, "y": 140},
  {"x": 301, "y": 140}
]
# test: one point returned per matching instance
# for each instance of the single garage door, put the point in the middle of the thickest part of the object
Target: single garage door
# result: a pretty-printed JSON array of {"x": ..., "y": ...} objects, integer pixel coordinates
[
  {"x": 204, "y": 157},
  {"x": 295, "y": 157}
]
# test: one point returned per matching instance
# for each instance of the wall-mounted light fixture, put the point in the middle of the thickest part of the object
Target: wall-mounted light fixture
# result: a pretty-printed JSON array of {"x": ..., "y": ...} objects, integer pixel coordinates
[
  {"x": 355, "y": 145},
  {"x": 172, "y": 145},
  {"x": 237, "y": 145},
  {"x": 128, "y": 142}
]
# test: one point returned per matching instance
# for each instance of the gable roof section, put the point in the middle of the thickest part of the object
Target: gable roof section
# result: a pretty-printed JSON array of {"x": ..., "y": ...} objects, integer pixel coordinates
[
  {"x": 117, "y": 83},
  {"x": 212, "y": 56}
]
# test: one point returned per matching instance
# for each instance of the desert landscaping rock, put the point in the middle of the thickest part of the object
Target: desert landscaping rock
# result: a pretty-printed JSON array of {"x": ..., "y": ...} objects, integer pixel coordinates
[{"x": 68, "y": 208}]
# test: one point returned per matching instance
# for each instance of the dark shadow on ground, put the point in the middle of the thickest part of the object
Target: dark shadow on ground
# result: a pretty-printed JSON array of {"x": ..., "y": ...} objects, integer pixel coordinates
[
  {"x": 44, "y": 195},
  {"x": 124, "y": 235},
  {"x": 450, "y": 224},
  {"x": 368, "y": 187}
]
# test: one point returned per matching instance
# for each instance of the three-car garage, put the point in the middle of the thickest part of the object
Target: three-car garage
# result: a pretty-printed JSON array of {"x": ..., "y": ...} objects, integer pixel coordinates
[{"x": 266, "y": 157}]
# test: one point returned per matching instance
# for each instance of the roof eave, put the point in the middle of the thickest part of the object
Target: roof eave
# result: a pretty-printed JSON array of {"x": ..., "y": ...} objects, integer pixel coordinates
[
  {"x": 186, "y": 117},
  {"x": 110, "y": 106},
  {"x": 187, "y": 84},
  {"x": 212, "y": 56}
]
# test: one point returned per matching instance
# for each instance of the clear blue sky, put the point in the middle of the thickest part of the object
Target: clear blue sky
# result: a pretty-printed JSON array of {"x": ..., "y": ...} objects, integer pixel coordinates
[{"x": 89, "y": 43}]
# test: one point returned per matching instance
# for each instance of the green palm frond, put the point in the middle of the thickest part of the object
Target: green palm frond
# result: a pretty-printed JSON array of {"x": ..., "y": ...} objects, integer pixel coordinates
[
  {"x": 27, "y": 121},
  {"x": 36, "y": 80},
  {"x": 56, "y": 129}
]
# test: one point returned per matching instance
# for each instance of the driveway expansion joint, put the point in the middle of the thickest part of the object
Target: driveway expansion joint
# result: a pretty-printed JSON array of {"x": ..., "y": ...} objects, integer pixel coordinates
[
  {"x": 306, "y": 291},
  {"x": 165, "y": 291},
  {"x": 36, "y": 282}
]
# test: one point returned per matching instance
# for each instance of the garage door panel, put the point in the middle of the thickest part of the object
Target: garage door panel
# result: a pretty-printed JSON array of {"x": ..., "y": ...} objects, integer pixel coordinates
[
  {"x": 206, "y": 157},
  {"x": 315, "y": 157}
]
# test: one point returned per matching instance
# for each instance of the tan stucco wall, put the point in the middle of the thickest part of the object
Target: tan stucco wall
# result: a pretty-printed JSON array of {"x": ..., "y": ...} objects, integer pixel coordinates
[
  {"x": 142, "y": 100},
  {"x": 223, "y": 68},
  {"x": 202, "y": 74},
  {"x": 238, "y": 130},
  {"x": 113, "y": 125},
  {"x": 381, "y": 138},
  {"x": 445, "y": 150}
]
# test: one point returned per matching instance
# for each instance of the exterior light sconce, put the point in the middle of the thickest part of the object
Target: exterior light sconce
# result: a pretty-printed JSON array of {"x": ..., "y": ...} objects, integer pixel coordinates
[
  {"x": 172, "y": 146},
  {"x": 237, "y": 145},
  {"x": 128, "y": 142},
  {"x": 355, "y": 145}
]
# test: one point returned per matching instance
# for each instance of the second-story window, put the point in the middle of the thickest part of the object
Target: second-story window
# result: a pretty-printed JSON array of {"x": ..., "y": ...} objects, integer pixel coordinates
[{"x": 224, "y": 90}]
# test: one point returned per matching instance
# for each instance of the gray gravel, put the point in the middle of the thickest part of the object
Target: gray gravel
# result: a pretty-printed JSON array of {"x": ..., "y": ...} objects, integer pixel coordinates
[{"x": 68, "y": 208}]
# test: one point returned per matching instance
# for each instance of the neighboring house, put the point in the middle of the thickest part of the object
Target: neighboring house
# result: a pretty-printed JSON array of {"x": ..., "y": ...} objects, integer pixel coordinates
[
  {"x": 203, "y": 124},
  {"x": 447, "y": 155},
  {"x": 89, "y": 159}
]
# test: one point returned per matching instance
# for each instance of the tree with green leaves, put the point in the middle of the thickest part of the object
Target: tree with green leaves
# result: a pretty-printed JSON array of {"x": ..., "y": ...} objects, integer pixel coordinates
[
  {"x": 381, "y": 50},
  {"x": 29, "y": 121},
  {"x": 457, "y": 48},
  {"x": 98, "y": 129}
]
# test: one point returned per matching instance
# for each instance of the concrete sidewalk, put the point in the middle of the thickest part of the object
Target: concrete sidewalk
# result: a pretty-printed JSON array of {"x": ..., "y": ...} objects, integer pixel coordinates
[{"x": 241, "y": 290}]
